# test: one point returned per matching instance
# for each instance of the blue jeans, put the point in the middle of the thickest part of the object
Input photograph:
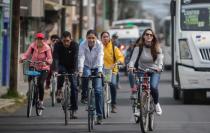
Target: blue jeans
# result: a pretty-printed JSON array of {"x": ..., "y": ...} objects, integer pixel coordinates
[
  {"x": 131, "y": 78},
  {"x": 73, "y": 83},
  {"x": 97, "y": 85},
  {"x": 154, "y": 82},
  {"x": 113, "y": 89}
]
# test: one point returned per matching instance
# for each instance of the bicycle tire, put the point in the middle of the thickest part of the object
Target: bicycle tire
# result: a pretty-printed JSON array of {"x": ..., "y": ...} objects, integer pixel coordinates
[
  {"x": 36, "y": 99},
  {"x": 105, "y": 107},
  {"x": 135, "y": 108},
  {"x": 66, "y": 103},
  {"x": 90, "y": 110},
  {"x": 30, "y": 97},
  {"x": 143, "y": 108},
  {"x": 54, "y": 85},
  {"x": 151, "y": 114},
  {"x": 108, "y": 102}
]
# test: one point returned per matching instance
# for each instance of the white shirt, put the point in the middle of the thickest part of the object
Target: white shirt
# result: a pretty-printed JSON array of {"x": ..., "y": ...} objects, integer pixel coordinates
[{"x": 91, "y": 58}]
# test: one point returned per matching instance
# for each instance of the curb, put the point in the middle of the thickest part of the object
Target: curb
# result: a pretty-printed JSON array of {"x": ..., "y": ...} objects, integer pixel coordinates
[{"x": 11, "y": 105}]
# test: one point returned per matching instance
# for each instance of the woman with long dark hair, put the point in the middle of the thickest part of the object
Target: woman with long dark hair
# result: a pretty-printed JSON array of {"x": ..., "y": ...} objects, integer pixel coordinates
[{"x": 150, "y": 56}]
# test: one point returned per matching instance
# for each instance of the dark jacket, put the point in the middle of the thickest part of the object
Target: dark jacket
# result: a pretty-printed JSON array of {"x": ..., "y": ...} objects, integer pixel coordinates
[{"x": 66, "y": 57}]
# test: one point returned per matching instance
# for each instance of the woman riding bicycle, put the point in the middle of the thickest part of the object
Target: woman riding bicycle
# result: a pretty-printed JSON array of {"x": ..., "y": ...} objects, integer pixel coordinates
[
  {"x": 39, "y": 51},
  {"x": 91, "y": 56},
  {"x": 149, "y": 55},
  {"x": 112, "y": 55}
]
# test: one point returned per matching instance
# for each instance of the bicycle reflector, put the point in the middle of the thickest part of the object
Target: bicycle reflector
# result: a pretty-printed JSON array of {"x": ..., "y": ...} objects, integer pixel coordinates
[{"x": 32, "y": 73}]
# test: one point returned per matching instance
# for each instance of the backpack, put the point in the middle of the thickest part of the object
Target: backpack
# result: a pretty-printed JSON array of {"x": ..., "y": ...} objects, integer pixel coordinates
[{"x": 137, "y": 60}]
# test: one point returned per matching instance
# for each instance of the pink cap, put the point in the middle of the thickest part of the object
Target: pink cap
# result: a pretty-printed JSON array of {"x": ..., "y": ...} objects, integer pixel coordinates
[{"x": 40, "y": 35}]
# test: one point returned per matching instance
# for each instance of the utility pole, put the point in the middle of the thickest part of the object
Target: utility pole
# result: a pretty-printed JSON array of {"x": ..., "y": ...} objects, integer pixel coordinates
[
  {"x": 95, "y": 13},
  {"x": 80, "y": 18},
  {"x": 63, "y": 18},
  {"x": 15, "y": 22}
]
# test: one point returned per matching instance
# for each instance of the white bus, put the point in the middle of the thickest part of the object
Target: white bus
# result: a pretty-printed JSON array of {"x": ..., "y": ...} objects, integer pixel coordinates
[
  {"x": 190, "y": 48},
  {"x": 142, "y": 24}
]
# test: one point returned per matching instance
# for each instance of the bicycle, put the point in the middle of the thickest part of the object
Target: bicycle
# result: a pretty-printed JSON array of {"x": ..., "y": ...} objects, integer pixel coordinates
[
  {"x": 106, "y": 92},
  {"x": 66, "y": 101},
  {"x": 144, "y": 101},
  {"x": 91, "y": 102},
  {"x": 33, "y": 91},
  {"x": 53, "y": 89}
]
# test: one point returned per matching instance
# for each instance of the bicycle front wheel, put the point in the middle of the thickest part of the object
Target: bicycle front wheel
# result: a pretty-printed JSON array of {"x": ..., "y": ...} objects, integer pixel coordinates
[
  {"x": 30, "y": 97},
  {"x": 151, "y": 114},
  {"x": 54, "y": 85},
  {"x": 90, "y": 110},
  {"x": 144, "y": 110},
  {"x": 66, "y": 103},
  {"x": 36, "y": 99}
]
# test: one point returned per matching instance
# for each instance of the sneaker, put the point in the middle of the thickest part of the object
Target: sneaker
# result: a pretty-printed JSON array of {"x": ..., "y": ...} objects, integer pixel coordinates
[
  {"x": 118, "y": 87},
  {"x": 41, "y": 106},
  {"x": 137, "y": 114},
  {"x": 158, "y": 109},
  {"x": 84, "y": 100},
  {"x": 114, "y": 109},
  {"x": 72, "y": 114},
  {"x": 99, "y": 120}
]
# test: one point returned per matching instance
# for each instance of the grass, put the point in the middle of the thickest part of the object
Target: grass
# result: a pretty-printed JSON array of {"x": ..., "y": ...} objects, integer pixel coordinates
[{"x": 11, "y": 95}]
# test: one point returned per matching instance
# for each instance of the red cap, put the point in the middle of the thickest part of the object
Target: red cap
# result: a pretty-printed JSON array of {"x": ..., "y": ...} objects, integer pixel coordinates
[{"x": 40, "y": 35}]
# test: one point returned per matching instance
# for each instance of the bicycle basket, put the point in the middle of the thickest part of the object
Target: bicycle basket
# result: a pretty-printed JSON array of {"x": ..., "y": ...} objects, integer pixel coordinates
[
  {"x": 108, "y": 75},
  {"x": 32, "y": 73}
]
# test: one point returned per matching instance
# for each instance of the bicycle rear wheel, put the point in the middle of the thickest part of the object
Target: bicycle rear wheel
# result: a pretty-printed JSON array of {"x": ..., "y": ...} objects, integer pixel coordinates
[
  {"x": 144, "y": 110},
  {"x": 66, "y": 104},
  {"x": 90, "y": 110},
  {"x": 30, "y": 97},
  {"x": 54, "y": 85}
]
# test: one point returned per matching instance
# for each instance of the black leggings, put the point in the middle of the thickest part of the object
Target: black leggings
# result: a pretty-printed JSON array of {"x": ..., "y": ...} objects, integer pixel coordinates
[{"x": 40, "y": 83}]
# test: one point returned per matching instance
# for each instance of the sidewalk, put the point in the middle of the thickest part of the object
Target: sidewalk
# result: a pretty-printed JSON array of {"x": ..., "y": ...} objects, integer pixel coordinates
[{"x": 4, "y": 103}]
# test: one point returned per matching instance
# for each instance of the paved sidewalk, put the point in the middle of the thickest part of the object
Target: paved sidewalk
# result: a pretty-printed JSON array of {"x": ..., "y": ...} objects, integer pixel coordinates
[{"x": 4, "y": 103}]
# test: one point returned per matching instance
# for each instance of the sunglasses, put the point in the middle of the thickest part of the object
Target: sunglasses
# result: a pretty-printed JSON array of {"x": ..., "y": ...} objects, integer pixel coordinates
[
  {"x": 55, "y": 40},
  {"x": 147, "y": 34}
]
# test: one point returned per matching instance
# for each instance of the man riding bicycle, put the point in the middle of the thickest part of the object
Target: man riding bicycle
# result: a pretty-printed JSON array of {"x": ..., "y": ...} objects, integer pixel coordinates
[
  {"x": 65, "y": 56},
  {"x": 39, "y": 51}
]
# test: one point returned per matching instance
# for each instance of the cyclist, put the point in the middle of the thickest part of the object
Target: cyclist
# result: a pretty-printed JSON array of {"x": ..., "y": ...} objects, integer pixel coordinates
[
  {"x": 65, "y": 55},
  {"x": 39, "y": 51},
  {"x": 53, "y": 40},
  {"x": 91, "y": 63},
  {"x": 150, "y": 57},
  {"x": 116, "y": 42},
  {"x": 112, "y": 56}
]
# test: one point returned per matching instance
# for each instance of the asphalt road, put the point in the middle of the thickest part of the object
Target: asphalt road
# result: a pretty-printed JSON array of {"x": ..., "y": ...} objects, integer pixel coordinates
[{"x": 176, "y": 118}]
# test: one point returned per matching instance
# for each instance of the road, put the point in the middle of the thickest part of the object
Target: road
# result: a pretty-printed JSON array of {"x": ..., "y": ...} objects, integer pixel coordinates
[{"x": 176, "y": 118}]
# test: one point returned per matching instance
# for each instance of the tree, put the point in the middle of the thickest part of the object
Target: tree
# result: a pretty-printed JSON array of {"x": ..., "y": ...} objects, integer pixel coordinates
[{"x": 15, "y": 22}]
